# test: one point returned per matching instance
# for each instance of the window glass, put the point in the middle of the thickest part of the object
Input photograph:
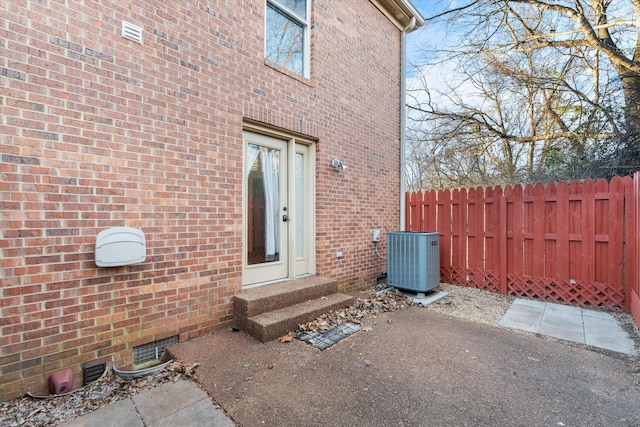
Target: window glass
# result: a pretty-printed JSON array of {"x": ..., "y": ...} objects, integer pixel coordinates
[
  {"x": 286, "y": 34},
  {"x": 299, "y": 7},
  {"x": 300, "y": 213}
]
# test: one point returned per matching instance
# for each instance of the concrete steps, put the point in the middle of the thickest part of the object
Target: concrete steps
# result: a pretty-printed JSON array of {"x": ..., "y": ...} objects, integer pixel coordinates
[{"x": 270, "y": 311}]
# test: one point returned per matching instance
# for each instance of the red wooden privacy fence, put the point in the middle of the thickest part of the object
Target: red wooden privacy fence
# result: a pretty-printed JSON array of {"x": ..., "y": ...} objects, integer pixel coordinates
[{"x": 572, "y": 243}]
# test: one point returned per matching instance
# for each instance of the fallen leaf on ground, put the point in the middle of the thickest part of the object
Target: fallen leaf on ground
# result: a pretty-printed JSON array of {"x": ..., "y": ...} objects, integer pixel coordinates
[{"x": 287, "y": 338}]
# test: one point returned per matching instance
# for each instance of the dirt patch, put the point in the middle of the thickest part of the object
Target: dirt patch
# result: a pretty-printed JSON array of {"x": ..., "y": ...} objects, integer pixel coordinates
[{"x": 472, "y": 304}]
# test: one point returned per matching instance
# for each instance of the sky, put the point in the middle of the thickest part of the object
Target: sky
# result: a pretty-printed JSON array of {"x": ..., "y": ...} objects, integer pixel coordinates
[
  {"x": 438, "y": 77},
  {"x": 416, "y": 38}
]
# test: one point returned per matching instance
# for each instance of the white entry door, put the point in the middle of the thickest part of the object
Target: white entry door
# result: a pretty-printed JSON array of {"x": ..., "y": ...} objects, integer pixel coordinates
[{"x": 278, "y": 209}]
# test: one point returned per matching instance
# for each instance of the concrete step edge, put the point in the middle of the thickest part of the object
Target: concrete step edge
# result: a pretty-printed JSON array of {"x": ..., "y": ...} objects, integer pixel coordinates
[
  {"x": 280, "y": 295},
  {"x": 271, "y": 325}
]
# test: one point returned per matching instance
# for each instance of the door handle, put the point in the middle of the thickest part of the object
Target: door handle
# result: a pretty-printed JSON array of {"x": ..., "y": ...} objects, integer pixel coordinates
[{"x": 285, "y": 218}]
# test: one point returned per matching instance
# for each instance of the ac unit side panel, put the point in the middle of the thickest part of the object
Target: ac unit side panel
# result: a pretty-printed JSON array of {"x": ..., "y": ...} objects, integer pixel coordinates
[{"x": 433, "y": 261}]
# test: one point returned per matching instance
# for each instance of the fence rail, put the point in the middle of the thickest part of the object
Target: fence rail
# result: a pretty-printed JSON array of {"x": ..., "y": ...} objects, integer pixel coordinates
[{"x": 572, "y": 243}]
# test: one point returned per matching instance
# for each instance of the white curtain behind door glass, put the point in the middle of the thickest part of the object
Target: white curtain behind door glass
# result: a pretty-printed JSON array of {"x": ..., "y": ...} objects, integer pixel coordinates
[
  {"x": 253, "y": 151},
  {"x": 271, "y": 174}
]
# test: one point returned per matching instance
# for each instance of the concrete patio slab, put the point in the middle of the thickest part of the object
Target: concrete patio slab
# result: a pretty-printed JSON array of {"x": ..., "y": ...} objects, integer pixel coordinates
[
  {"x": 425, "y": 299},
  {"x": 524, "y": 315},
  {"x": 563, "y": 319},
  {"x": 167, "y": 399},
  {"x": 180, "y": 403},
  {"x": 194, "y": 415},
  {"x": 573, "y": 334},
  {"x": 575, "y": 324},
  {"x": 122, "y": 413}
]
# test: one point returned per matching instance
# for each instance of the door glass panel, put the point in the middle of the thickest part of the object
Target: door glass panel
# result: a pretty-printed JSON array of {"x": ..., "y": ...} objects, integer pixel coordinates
[
  {"x": 263, "y": 207},
  {"x": 300, "y": 213}
]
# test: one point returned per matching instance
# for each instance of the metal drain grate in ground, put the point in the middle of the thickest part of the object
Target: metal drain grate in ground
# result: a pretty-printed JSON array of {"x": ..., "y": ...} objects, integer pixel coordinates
[{"x": 323, "y": 340}]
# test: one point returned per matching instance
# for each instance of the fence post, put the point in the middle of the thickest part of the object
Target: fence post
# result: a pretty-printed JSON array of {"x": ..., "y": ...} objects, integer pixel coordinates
[
  {"x": 632, "y": 273},
  {"x": 407, "y": 211}
]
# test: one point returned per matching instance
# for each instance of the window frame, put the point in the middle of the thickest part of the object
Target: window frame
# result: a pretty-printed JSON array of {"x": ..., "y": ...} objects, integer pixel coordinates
[{"x": 306, "y": 30}]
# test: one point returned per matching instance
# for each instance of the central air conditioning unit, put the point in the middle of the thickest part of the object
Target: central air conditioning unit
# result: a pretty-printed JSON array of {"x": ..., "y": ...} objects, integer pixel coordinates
[{"x": 413, "y": 260}]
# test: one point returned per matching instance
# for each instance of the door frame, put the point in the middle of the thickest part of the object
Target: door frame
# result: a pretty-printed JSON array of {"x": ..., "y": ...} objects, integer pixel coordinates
[{"x": 295, "y": 144}]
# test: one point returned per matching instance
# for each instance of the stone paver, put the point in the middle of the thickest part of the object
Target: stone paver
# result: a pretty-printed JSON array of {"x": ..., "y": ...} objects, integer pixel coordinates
[
  {"x": 121, "y": 413},
  {"x": 181, "y": 403}
]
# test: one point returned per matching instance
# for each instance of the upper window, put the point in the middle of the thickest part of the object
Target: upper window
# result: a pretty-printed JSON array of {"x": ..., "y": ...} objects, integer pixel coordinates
[{"x": 287, "y": 34}]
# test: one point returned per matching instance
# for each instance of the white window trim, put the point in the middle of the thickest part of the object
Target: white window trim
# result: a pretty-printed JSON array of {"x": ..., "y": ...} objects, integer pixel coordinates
[{"x": 305, "y": 23}]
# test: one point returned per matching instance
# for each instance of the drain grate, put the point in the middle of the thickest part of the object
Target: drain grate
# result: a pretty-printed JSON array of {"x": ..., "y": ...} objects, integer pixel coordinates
[
  {"x": 323, "y": 340},
  {"x": 152, "y": 351}
]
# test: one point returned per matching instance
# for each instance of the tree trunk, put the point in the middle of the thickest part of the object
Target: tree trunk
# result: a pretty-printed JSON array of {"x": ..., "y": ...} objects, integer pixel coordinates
[{"x": 631, "y": 138}]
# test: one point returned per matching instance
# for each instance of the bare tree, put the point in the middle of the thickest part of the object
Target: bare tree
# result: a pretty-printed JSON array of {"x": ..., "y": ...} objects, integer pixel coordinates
[{"x": 535, "y": 92}]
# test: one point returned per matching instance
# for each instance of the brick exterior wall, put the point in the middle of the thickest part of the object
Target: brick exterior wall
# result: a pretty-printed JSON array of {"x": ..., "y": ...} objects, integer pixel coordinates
[{"x": 97, "y": 131}]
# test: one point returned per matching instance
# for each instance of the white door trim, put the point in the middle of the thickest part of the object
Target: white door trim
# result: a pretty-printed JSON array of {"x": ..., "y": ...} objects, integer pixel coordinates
[{"x": 295, "y": 266}]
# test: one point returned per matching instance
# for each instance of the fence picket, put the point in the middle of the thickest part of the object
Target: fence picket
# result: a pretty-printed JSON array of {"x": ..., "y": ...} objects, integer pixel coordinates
[
  {"x": 550, "y": 230},
  {"x": 517, "y": 230},
  {"x": 562, "y": 231},
  {"x": 502, "y": 241},
  {"x": 588, "y": 231},
  {"x": 474, "y": 230},
  {"x": 492, "y": 243},
  {"x": 632, "y": 241},
  {"x": 444, "y": 228},
  {"x": 538, "y": 231},
  {"x": 414, "y": 211},
  {"x": 492, "y": 198},
  {"x": 429, "y": 212},
  {"x": 575, "y": 231},
  {"x": 615, "y": 246}
]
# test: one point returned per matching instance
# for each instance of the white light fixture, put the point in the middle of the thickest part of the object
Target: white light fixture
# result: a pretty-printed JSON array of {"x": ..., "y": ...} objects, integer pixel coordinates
[{"x": 337, "y": 164}]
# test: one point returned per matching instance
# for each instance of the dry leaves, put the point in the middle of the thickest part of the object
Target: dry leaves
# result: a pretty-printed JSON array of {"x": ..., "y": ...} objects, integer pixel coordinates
[
  {"x": 28, "y": 411},
  {"x": 375, "y": 303},
  {"x": 287, "y": 338}
]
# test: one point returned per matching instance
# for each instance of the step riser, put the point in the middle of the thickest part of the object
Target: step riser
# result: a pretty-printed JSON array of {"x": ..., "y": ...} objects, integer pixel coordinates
[
  {"x": 273, "y": 297},
  {"x": 271, "y": 331},
  {"x": 272, "y": 311}
]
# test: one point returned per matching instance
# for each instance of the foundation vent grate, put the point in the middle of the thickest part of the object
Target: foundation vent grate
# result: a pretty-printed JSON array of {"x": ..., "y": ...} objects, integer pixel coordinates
[
  {"x": 152, "y": 352},
  {"x": 90, "y": 373}
]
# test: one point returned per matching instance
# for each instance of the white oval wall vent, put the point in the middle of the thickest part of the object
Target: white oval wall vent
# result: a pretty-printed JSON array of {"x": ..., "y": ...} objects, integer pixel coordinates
[{"x": 120, "y": 246}]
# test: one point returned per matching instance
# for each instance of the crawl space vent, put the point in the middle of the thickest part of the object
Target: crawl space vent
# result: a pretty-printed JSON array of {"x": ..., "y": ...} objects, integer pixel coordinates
[
  {"x": 151, "y": 352},
  {"x": 131, "y": 32},
  {"x": 90, "y": 373}
]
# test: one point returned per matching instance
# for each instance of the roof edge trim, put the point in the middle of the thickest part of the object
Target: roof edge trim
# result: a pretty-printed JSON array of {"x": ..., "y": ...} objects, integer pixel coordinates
[{"x": 400, "y": 13}]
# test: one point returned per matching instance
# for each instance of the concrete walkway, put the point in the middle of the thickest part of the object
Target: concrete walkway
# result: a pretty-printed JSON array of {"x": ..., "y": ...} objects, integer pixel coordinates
[
  {"x": 592, "y": 328},
  {"x": 181, "y": 403}
]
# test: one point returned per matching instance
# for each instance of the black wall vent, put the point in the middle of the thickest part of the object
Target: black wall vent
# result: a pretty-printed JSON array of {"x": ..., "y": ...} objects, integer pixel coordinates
[{"x": 90, "y": 373}]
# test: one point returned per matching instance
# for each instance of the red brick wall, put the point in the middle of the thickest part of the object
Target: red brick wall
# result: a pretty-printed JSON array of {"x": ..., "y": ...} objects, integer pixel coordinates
[{"x": 98, "y": 132}]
